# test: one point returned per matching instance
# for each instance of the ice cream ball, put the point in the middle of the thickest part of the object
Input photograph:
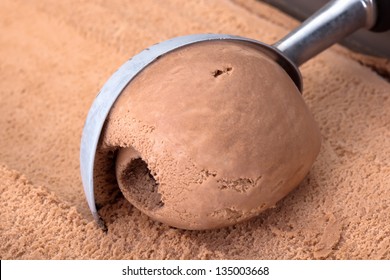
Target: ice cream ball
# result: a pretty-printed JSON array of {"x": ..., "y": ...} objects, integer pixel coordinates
[{"x": 210, "y": 135}]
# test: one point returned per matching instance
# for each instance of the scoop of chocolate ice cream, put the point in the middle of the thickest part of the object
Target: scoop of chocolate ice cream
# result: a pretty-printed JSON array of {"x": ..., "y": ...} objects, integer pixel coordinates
[{"x": 210, "y": 135}]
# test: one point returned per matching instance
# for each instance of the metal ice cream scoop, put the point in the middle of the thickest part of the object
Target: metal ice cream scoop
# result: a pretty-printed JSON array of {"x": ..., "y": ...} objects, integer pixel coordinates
[{"x": 329, "y": 25}]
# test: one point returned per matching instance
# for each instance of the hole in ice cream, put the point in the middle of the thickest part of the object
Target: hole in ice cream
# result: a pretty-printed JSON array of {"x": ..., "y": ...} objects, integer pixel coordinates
[
  {"x": 138, "y": 184},
  {"x": 219, "y": 72}
]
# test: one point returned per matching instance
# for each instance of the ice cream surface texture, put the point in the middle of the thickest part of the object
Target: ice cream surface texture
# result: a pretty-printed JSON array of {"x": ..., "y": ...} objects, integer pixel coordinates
[{"x": 210, "y": 135}]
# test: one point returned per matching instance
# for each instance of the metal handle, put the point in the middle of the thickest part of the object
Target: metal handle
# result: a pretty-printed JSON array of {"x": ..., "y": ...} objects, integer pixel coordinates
[{"x": 333, "y": 22}]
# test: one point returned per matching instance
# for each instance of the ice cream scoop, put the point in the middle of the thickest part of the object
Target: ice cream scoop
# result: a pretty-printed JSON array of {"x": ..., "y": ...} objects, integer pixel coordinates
[{"x": 210, "y": 130}]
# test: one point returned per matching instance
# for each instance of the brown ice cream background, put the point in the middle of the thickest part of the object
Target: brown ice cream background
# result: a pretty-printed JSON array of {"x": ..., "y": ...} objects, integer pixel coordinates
[{"x": 54, "y": 57}]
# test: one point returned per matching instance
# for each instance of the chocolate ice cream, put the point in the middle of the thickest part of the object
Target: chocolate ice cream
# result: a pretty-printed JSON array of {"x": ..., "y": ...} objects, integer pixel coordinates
[{"x": 210, "y": 135}]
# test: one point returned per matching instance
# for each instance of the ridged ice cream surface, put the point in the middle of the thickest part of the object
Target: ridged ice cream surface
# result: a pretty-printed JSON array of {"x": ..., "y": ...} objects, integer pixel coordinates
[{"x": 341, "y": 210}]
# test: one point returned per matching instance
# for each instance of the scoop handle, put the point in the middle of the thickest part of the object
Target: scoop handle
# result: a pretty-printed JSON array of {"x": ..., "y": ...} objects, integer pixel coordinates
[{"x": 333, "y": 22}]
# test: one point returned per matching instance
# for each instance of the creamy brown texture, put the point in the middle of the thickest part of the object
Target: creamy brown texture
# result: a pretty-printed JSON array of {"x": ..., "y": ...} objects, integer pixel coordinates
[
  {"x": 223, "y": 130},
  {"x": 54, "y": 58}
]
